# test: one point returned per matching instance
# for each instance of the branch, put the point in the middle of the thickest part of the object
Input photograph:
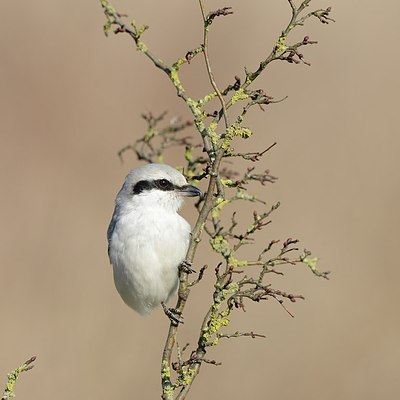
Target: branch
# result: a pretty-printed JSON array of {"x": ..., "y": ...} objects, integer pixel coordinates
[
  {"x": 207, "y": 22},
  {"x": 240, "y": 334},
  {"x": 115, "y": 19},
  {"x": 280, "y": 51},
  {"x": 184, "y": 288},
  {"x": 13, "y": 377}
]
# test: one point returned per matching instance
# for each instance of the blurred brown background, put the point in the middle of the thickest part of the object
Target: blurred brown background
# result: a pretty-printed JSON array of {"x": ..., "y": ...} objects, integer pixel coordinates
[{"x": 70, "y": 99}]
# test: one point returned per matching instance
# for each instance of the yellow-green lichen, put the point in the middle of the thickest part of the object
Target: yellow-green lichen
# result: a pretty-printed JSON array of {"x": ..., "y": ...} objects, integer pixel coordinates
[
  {"x": 169, "y": 392},
  {"x": 219, "y": 204},
  {"x": 13, "y": 376},
  {"x": 219, "y": 320},
  {"x": 244, "y": 195},
  {"x": 214, "y": 137},
  {"x": 226, "y": 146},
  {"x": 244, "y": 132},
  {"x": 177, "y": 65},
  {"x": 150, "y": 133},
  {"x": 312, "y": 264},
  {"x": 280, "y": 45},
  {"x": 206, "y": 99},
  {"x": 185, "y": 377},
  {"x": 212, "y": 134},
  {"x": 174, "y": 76},
  {"x": 228, "y": 183},
  {"x": 215, "y": 341},
  {"x": 234, "y": 262},
  {"x": 216, "y": 323},
  {"x": 110, "y": 15},
  {"x": 200, "y": 125},
  {"x": 191, "y": 103},
  {"x": 238, "y": 130},
  {"x": 221, "y": 246},
  {"x": 110, "y": 9},
  {"x": 197, "y": 112},
  {"x": 140, "y": 31},
  {"x": 165, "y": 370},
  {"x": 213, "y": 126},
  {"x": 231, "y": 289},
  {"x": 141, "y": 46},
  {"x": 107, "y": 27},
  {"x": 239, "y": 95}
]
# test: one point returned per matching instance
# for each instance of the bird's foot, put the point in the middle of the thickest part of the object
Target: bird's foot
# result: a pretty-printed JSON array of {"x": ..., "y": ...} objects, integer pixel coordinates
[
  {"x": 186, "y": 266},
  {"x": 173, "y": 314}
]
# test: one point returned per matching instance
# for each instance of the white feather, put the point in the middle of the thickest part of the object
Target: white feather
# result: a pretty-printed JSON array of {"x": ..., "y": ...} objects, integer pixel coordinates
[{"x": 148, "y": 239}]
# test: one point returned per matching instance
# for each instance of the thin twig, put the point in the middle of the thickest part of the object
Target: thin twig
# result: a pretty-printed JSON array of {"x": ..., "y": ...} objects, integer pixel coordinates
[
  {"x": 208, "y": 66},
  {"x": 13, "y": 376}
]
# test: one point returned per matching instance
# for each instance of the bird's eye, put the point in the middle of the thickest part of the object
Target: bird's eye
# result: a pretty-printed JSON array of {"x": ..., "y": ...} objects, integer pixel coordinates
[{"x": 164, "y": 184}]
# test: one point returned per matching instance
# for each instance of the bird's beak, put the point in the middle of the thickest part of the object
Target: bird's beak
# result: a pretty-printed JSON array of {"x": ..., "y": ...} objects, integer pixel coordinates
[{"x": 190, "y": 191}]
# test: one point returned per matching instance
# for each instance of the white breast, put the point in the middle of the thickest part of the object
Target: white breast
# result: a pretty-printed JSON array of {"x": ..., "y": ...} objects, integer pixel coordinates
[{"x": 146, "y": 247}]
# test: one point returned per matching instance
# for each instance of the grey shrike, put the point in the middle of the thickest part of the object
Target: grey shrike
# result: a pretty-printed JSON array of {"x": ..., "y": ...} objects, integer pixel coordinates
[{"x": 147, "y": 238}]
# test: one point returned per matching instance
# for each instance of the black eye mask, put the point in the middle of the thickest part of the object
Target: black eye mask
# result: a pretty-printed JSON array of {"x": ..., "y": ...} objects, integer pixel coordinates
[{"x": 160, "y": 184}]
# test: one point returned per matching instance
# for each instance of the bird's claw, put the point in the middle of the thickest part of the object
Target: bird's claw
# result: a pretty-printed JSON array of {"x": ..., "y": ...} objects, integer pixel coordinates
[
  {"x": 173, "y": 314},
  {"x": 186, "y": 266}
]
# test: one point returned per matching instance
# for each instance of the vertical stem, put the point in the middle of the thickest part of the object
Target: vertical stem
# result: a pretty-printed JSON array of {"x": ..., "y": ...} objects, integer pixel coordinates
[
  {"x": 209, "y": 70},
  {"x": 184, "y": 290}
]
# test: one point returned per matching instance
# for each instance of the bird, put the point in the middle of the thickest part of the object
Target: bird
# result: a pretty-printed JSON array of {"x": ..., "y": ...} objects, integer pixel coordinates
[{"x": 148, "y": 239}]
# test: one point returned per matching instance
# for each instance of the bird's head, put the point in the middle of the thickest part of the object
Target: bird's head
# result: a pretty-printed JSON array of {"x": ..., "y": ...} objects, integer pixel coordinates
[{"x": 155, "y": 185}]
